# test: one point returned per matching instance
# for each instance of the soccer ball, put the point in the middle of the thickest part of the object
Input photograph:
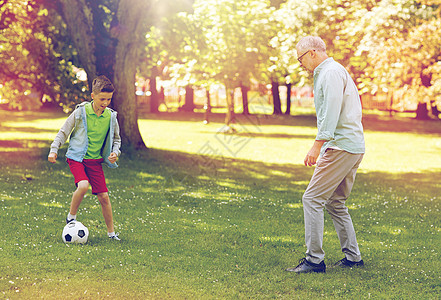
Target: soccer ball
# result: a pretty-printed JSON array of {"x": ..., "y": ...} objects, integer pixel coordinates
[{"x": 75, "y": 232}]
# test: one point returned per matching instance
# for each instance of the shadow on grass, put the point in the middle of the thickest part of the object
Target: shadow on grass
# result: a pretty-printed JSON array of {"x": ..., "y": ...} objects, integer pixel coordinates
[
  {"x": 175, "y": 169},
  {"x": 27, "y": 129},
  {"x": 207, "y": 207},
  {"x": 11, "y": 144},
  {"x": 268, "y": 197},
  {"x": 200, "y": 166},
  {"x": 172, "y": 169},
  {"x": 400, "y": 124},
  {"x": 23, "y": 154},
  {"x": 28, "y": 116},
  {"x": 179, "y": 169}
]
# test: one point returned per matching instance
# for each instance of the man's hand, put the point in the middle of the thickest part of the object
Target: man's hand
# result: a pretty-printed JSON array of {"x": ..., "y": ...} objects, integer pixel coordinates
[
  {"x": 52, "y": 157},
  {"x": 113, "y": 157},
  {"x": 313, "y": 154}
]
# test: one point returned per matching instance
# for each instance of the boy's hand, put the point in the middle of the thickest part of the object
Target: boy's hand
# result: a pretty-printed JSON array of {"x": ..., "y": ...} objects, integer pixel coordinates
[
  {"x": 52, "y": 157},
  {"x": 113, "y": 157}
]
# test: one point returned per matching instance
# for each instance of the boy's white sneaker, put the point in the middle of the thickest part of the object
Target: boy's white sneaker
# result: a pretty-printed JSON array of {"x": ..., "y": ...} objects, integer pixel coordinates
[
  {"x": 68, "y": 221},
  {"x": 115, "y": 237}
]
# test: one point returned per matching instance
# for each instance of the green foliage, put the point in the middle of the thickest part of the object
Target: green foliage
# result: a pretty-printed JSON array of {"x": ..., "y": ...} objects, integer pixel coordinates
[
  {"x": 164, "y": 38},
  {"x": 386, "y": 45},
  {"x": 36, "y": 58},
  {"x": 400, "y": 43},
  {"x": 224, "y": 41}
]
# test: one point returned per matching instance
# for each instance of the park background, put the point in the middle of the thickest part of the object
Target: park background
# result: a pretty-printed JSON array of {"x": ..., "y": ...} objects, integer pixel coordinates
[{"x": 207, "y": 198}]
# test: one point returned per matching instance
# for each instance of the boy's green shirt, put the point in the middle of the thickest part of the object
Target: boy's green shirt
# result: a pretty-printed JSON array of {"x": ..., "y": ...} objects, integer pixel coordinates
[{"x": 97, "y": 128}]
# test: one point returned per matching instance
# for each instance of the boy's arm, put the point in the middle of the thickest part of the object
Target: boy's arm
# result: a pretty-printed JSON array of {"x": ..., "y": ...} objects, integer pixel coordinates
[
  {"x": 116, "y": 139},
  {"x": 62, "y": 136}
]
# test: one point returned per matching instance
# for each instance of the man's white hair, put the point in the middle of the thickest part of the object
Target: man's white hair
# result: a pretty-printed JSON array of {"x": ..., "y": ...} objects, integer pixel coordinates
[{"x": 311, "y": 42}]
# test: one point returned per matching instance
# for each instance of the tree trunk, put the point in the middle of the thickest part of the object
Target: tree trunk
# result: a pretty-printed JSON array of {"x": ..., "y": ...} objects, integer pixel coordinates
[
  {"x": 244, "y": 90},
  {"x": 127, "y": 55},
  {"x": 230, "y": 108},
  {"x": 288, "y": 99},
  {"x": 79, "y": 25},
  {"x": 154, "y": 96},
  {"x": 208, "y": 103},
  {"x": 276, "y": 98},
  {"x": 118, "y": 50},
  {"x": 434, "y": 107},
  {"x": 422, "y": 113},
  {"x": 189, "y": 99},
  {"x": 207, "y": 106},
  {"x": 125, "y": 100},
  {"x": 390, "y": 95},
  {"x": 105, "y": 43}
]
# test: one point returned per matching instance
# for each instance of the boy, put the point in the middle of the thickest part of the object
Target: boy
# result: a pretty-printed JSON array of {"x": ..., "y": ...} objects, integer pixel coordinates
[{"x": 94, "y": 140}]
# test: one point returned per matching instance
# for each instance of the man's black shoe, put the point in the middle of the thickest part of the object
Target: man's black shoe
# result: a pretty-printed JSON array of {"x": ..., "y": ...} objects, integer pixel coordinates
[
  {"x": 68, "y": 221},
  {"x": 308, "y": 267},
  {"x": 345, "y": 263}
]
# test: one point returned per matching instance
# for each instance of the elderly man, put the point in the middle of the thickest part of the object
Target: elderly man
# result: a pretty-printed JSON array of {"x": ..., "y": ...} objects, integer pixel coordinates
[{"x": 340, "y": 145}]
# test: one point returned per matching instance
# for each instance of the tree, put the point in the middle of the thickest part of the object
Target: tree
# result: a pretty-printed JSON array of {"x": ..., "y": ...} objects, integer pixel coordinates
[
  {"x": 109, "y": 36},
  {"x": 385, "y": 45},
  {"x": 402, "y": 48},
  {"x": 106, "y": 35},
  {"x": 152, "y": 64},
  {"x": 164, "y": 46},
  {"x": 229, "y": 43},
  {"x": 281, "y": 64},
  {"x": 37, "y": 62},
  {"x": 297, "y": 19}
]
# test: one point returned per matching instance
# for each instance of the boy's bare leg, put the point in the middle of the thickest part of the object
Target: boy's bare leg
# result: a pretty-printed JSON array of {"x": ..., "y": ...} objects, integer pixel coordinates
[
  {"x": 106, "y": 207},
  {"x": 78, "y": 196}
]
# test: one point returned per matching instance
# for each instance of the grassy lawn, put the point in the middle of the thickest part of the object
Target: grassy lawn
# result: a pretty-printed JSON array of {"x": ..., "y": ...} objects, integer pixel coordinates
[{"x": 209, "y": 216}]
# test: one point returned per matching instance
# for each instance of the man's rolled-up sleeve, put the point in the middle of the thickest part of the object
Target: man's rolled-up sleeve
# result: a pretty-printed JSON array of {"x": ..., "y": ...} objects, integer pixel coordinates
[{"x": 329, "y": 111}]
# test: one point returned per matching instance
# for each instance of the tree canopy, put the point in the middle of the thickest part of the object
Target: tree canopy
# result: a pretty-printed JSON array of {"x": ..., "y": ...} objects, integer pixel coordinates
[
  {"x": 385, "y": 44},
  {"x": 37, "y": 60}
]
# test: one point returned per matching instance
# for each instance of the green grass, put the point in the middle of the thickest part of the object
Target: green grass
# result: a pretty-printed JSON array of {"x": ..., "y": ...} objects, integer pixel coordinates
[{"x": 209, "y": 216}]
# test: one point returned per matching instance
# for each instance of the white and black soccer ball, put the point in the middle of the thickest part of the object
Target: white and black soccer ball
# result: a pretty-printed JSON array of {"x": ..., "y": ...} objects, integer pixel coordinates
[{"x": 75, "y": 232}]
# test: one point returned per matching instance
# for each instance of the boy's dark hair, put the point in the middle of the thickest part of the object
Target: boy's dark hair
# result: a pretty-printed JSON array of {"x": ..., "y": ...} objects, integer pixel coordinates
[{"x": 102, "y": 84}]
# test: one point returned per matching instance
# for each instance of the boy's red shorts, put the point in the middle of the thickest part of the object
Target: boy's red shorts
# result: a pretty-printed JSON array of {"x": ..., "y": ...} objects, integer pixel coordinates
[{"x": 90, "y": 170}]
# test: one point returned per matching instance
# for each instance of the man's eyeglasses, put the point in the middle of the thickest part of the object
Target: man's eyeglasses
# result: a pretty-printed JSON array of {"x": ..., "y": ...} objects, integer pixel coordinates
[{"x": 300, "y": 57}]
